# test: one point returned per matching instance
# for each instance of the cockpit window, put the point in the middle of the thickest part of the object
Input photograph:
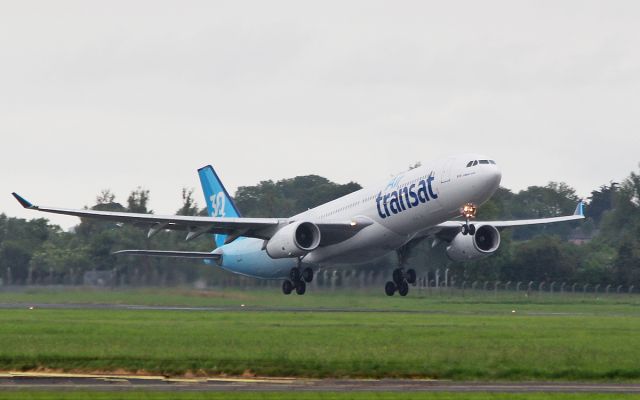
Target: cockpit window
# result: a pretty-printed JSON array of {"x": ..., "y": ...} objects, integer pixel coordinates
[
  {"x": 475, "y": 162},
  {"x": 492, "y": 162},
  {"x": 484, "y": 161},
  {"x": 469, "y": 164}
]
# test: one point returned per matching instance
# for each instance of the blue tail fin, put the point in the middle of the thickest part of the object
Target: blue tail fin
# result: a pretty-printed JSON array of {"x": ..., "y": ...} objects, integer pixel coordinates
[{"x": 219, "y": 203}]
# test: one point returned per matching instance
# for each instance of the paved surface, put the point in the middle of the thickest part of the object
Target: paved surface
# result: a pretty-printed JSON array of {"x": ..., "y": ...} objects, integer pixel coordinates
[
  {"x": 45, "y": 381},
  {"x": 72, "y": 306}
]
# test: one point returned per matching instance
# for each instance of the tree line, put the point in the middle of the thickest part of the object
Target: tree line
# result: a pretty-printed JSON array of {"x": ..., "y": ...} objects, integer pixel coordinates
[{"x": 603, "y": 249}]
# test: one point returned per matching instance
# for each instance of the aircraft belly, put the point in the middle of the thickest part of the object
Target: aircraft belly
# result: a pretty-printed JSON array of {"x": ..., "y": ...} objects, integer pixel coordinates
[
  {"x": 246, "y": 257},
  {"x": 372, "y": 242}
]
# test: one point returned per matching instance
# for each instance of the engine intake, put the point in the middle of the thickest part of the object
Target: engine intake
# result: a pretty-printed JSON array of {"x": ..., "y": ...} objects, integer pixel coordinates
[
  {"x": 472, "y": 247},
  {"x": 294, "y": 240}
]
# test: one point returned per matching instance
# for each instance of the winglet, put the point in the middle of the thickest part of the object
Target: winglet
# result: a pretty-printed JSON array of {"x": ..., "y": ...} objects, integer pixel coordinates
[
  {"x": 579, "y": 209},
  {"x": 23, "y": 202}
]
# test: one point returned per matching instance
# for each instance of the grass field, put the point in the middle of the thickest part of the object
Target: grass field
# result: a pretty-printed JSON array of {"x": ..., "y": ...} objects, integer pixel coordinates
[
  {"x": 585, "y": 340},
  {"x": 301, "y": 396}
]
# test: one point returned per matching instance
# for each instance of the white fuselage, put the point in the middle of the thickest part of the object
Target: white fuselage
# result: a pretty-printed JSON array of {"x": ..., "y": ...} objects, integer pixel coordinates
[{"x": 400, "y": 208}]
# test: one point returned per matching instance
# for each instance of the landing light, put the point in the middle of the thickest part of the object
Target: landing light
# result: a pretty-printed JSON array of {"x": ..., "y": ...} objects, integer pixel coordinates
[
  {"x": 469, "y": 210},
  {"x": 354, "y": 223}
]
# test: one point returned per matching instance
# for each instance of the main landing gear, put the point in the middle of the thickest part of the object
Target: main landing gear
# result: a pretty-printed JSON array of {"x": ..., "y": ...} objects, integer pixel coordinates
[
  {"x": 401, "y": 278},
  {"x": 401, "y": 281},
  {"x": 298, "y": 279},
  {"x": 468, "y": 211}
]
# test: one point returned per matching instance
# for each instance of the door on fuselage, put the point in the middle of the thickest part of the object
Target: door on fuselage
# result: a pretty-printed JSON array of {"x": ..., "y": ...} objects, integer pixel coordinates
[{"x": 445, "y": 173}]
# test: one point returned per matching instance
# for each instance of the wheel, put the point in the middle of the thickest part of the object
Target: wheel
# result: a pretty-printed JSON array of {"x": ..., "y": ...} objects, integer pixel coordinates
[
  {"x": 390, "y": 288},
  {"x": 403, "y": 289},
  {"x": 472, "y": 230},
  {"x": 287, "y": 287},
  {"x": 398, "y": 276},
  {"x": 294, "y": 274},
  {"x": 301, "y": 287},
  {"x": 307, "y": 274},
  {"x": 411, "y": 276},
  {"x": 464, "y": 230}
]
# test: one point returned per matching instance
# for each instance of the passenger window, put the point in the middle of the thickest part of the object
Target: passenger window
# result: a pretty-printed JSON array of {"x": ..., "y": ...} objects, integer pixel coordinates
[{"x": 484, "y": 161}]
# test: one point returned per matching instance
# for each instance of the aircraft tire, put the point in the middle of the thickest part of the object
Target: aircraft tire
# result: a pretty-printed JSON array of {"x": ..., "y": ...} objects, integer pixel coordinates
[
  {"x": 411, "y": 276},
  {"x": 287, "y": 287},
  {"x": 398, "y": 276},
  {"x": 294, "y": 274},
  {"x": 464, "y": 230},
  {"x": 403, "y": 289},
  {"x": 307, "y": 274},
  {"x": 472, "y": 229},
  {"x": 301, "y": 287},
  {"x": 390, "y": 288}
]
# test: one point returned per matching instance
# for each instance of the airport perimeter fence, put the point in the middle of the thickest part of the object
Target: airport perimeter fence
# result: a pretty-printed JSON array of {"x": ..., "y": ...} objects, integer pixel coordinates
[{"x": 433, "y": 283}]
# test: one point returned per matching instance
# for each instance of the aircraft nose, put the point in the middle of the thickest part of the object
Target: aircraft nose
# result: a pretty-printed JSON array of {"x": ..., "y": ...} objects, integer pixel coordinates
[{"x": 494, "y": 176}]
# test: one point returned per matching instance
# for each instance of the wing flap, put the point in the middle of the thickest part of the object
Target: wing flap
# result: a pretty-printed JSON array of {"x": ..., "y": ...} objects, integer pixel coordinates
[{"x": 202, "y": 255}]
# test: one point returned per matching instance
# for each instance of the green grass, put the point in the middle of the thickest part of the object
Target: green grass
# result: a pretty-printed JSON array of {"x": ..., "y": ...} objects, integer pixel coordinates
[
  {"x": 460, "y": 346},
  {"x": 304, "y": 396}
]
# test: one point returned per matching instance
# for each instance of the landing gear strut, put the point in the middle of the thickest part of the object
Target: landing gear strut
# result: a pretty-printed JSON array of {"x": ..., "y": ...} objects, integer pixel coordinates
[
  {"x": 298, "y": 279},
  {"x": 468, "y": 211},
  {"x": 401, "y": 278},
  {"x": 401, "y": 281}
]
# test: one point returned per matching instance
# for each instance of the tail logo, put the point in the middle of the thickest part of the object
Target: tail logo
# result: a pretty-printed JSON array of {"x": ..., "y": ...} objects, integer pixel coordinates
[{"x": 217, "y": 205}]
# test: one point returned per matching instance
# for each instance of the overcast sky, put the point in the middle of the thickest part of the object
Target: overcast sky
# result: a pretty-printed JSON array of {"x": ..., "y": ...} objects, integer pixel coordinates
[{"x": 114, "y": 94}]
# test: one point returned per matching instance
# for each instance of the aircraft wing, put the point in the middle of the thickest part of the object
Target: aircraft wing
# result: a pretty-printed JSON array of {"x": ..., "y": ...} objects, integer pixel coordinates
[
  {"x": 194, "y": 225},
  {"x": 260, "y": 228},
  {"x": 448, "y": 230}
]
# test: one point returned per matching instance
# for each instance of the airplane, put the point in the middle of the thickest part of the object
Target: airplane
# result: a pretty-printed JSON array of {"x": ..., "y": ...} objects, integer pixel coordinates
[{"x": 437, "y": 200}]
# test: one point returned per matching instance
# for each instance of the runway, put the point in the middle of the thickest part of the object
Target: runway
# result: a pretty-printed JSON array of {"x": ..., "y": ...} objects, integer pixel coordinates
[
  {"x": 54, "y": 382},
  {"x": 133, "y": 307}
]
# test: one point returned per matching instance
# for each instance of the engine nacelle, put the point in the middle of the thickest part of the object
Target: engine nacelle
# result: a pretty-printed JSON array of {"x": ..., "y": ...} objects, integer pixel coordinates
[
  {"x": 294, "y": 240},
  {"x": 472, "y": 247}
]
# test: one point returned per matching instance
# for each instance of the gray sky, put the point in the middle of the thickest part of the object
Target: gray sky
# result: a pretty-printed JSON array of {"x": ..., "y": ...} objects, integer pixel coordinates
[{"x": 117, "y": 94}]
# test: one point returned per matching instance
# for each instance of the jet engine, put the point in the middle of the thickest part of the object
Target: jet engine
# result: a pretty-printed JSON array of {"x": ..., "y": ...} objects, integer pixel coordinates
[
  {"x": 472, "y": 247},
  {"x": 294, "y": 240}
]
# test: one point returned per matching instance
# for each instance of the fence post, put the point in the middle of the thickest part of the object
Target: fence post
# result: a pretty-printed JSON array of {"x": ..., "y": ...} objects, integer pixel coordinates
[
  {"x": 607, "y": 289},
  {"x": 631, "y": 289},
  {"x": 529, "y": 288},
  {"x": 551, "y": 286},
  {"x": 584, "y": 288},
  {"x": 518, "y": 286},
  {"x": 573, "y": 288},
  {"x": 506, "y": 285},
  {"x": 562, "y": 287},
  {"x": 596, "y": 289},
  {"x": 484, "y": 286},
  {"x": 464, "y": 284},
  {"x": 495, "y": 288},
  {"x": 540, "y": 286},
  {"x": 618, "y": 289}
]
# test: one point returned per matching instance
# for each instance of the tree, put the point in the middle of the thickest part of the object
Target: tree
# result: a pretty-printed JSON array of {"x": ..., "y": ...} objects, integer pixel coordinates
[
  {"x": 189, "y": 205},
  {"x": 138, "y": 201}
]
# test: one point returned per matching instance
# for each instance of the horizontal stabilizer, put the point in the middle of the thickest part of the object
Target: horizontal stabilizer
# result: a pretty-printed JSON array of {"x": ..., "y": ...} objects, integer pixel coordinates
[{"x": 202, "y": 255}]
